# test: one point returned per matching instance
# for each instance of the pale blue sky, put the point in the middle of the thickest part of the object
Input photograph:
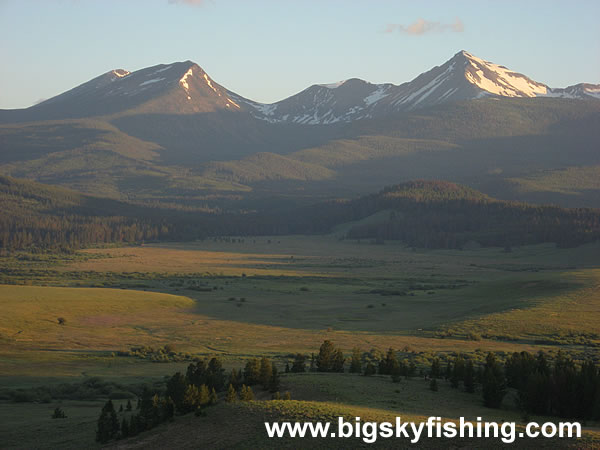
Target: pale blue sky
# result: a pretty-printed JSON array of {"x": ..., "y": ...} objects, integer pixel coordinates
[{"x": 268, "y": 50}]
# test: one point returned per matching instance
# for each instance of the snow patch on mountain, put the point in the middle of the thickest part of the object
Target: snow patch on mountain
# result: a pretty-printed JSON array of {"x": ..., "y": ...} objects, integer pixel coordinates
[
  {"x": 378, "y": 94},
  {"x": 209, "y": 83},
  {"x": 183, "y": 82},
  {"x": 154, "y": 80},
  {"x": 501, "y": 81},
  {"x": 120, "y": 73}
]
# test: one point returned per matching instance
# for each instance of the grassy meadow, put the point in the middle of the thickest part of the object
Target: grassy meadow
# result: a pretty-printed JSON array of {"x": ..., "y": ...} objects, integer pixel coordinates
[{"x": 109, "y": 312}]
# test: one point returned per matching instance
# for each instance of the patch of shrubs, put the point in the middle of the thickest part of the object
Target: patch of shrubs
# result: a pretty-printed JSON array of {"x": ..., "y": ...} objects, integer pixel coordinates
[{"x": 165, "y": 354}]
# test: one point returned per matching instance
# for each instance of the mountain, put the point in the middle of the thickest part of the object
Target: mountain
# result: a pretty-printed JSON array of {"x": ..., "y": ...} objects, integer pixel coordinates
[
  {"x": 463, "y": 77},
  {"x": 177, "y": 88},
  {"x": 185, "y": 88},
  {"x": 170, "y": 134}
]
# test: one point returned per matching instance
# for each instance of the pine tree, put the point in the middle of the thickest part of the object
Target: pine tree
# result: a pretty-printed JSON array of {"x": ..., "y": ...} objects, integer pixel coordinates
[
  {"x": 246, "y": 393},
  {"x": 448, "y": 372},
  {"x": 231, "y": 394},
  {"x": 287, "y": 367},
  {"x": 235, "y": 378},
  {"x": 355, "y": 361},
  {"x": 385, "y": 366},
  {"x": 266, "y": 371},
  {"x": 124, "y": 428},
  {"x": 287, "y": 395},
  {"x": 396, "y": 371},
  {"x": 252, "y": 372},
  {"x": 213, "y": 399},
  {"x": 168, "y": 408},
  {"x": 108, "y": 425},
  {"x": 147, "y": 412},
  {"x": 494, "y": 384},
  {"x": 249, "y": 394},
  {"x": 128, "y": 407},
  {"x": 204, "y": 395},
  {"x": 326, "y": 356},
  {"x": 469, "y": 379},
  {"x": 191, "y": 399},
  {"x": 275, "y": 381},
  {"x": 299, "y": 364},
  {"x": 176, "y": 387},
  {"x": 337, "y": 365},
  {"x": 134, "y": 428},
  {"x": 435, "y": 368}
]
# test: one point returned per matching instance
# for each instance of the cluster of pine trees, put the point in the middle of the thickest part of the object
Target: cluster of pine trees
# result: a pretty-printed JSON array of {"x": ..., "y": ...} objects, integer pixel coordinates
[
  {"x": 193, "y": 391},
  {"x": 560, "y": 389},
  {"x": 151, "y": 410}
]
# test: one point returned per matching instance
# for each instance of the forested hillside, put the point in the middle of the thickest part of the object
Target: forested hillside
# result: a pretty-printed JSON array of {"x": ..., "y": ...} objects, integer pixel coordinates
[{"x": 429, "y": 214}]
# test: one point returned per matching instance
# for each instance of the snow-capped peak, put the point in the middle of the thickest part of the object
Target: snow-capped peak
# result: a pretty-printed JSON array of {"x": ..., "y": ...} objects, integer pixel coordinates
[{"x": 498, "y": 80}]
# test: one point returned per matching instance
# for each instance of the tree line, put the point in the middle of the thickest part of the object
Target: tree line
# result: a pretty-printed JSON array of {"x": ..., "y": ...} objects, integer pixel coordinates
[{"x": 558, "y": 388}]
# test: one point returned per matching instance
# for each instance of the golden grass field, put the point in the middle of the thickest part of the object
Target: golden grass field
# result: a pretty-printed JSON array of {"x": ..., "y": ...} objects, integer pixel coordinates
[{"x": 245, "y": 299}]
